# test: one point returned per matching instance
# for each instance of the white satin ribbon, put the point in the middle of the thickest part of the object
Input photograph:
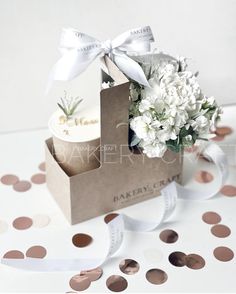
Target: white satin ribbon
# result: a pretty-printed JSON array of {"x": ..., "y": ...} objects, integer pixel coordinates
[
  {"x": 118, "y": 225},
  {"x": 79, "y": 50}
]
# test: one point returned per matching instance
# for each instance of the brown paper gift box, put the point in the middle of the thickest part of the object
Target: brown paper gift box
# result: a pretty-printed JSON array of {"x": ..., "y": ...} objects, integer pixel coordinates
[{"x": 123, "y": 178}]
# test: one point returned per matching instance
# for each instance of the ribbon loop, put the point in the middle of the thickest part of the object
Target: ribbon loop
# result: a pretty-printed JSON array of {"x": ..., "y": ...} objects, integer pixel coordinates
[{"x": 79, "y": 50}]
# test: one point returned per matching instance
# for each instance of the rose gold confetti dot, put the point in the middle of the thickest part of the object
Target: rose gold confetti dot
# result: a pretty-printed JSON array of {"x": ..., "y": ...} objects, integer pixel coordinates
[
  {"x": 211, "y": 218},
  {"x": 81, "y": 240},
  {"x": 79, "y": 283},
  {"x": 228, "y": 190},
  {"x": 9, "y": 179},
  {"x": 38, "y": 179},
  {"x": 156, "y": 276},
  {"x": 42, "y": 166},
  {"x": 223, "y": 253},
  {"x": 36, "y": 252},
  {"x": 22, "y": 186},
  {"x": 223, "y": 131},
  {"x": 3, "y": 226},
  {"x": 220, "y": 231},
  {"x": 14, "y": 254},
  {"x": 93, "y": 274},
  {"x": 109, "y": 217},
  {"x": 204, "y": 177},
  {"x": 218, "y": 138},
  {"x": 129, "y": 266},
  {"x": 116, "y": 283},
  {"x": 177, "y": 258},
  {"x": 168, "y": 236},
  {"x": 22, "y": 223},
  {"x": 41, "y": 220},
  {"x": 194, "y": 261}
]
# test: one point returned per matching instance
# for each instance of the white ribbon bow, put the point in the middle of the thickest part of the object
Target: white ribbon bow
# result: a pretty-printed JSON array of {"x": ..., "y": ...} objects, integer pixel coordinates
[{"x": 79, "y": 50}]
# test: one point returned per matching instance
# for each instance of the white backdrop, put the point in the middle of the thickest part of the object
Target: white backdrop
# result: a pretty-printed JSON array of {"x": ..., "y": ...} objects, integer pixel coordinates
[{"x": 203, "y": 30}]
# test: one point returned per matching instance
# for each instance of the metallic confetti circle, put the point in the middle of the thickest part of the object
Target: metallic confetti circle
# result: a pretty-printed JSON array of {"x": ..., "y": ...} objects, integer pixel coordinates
[
  {"x": 22, "y": 186},
  {"x": 194, "y": 261},
  {"x": 203, "y": 177},
  {"x": 38, "y": 179},
  {"x": 220, "y": 231},
  {"x": 79, "y": 283},
  {"x": 14, "y": 254},
  {"x": 116, "y": 283},
  {"x": 109, "y": 217},
  {"x": 177, "y": 258},
  {"x": 223, "y": 253},
  {"x": 40, "y": 220},
  {"x": 168, "y": 236},
  {"x": 223, "y": 131},
  {"x": 36, "y": 252},
  {"x": 81, "y": 240},
  {"x": 22, "y": 223},
  {"x": 9, "y": 179},
  {"x": 211, "y": 218},
  {"x": 3, "y": 226},
  {"x": 42, "y": 166},
  {"x": 228, "y": 190},
  {"x": 129, "y": 266},
  {"x": 156, "y": 276},
  {"x": 93, "y": 274}
]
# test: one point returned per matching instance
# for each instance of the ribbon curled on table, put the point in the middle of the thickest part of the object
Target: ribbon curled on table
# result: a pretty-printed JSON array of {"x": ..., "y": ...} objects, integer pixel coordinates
[
  {"x": 79, "y": 50},
  {"x": 122, "y": 222}
]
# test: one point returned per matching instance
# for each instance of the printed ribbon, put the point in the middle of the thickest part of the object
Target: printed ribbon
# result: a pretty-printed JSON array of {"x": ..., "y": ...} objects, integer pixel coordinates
[
  {"x": 122, "y": 222},
  {"x": 79, "y": 50}
]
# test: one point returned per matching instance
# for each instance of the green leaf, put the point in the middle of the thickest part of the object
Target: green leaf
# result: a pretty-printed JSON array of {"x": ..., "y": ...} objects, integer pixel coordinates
[
  {"x": 174, "y": 146},
  {"x": 63, "y": 104},
  {"x": 135, "y": 140},
  {"x": 183, "y": 132},
  {"x": 62, "y": 108},
  {"x": 75, "y": 106}
]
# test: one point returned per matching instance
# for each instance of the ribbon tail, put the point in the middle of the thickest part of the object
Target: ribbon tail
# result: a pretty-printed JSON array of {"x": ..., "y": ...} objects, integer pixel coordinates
[
  {"x": 130, "y": 68},
  {"x": 70, "y": 65}
]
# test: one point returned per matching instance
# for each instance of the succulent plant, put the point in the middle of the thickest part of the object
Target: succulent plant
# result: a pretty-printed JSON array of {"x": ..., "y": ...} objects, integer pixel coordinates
[{"x": 69, "y": 105}]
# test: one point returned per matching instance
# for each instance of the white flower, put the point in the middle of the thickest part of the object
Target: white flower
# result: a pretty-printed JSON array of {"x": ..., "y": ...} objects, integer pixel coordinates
[
  {"x": 105, "y": 85},
  {"x": 174, "y": 107},
  {"x": 134, "y": 93},
  {"x": 200, "y": 124},
  {"x": 155, "y": 149},
  {"x": 141, "y": 125},
  {"x": 218, "y": 111},
  {"x": 153, "y": 91},
  {"x": 182, "y": 62},
  {"x": 187, "y": 140}
]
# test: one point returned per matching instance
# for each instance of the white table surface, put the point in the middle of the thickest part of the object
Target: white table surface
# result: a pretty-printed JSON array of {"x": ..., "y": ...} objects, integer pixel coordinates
[{"x": 21, "y": 154}]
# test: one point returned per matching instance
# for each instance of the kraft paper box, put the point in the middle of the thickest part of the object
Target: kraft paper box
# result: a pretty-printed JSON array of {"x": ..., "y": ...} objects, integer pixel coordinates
[{"x": 123, "y": 177}]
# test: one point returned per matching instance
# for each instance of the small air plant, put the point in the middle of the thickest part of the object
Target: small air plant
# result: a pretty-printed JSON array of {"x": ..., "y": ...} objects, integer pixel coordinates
[{"x": 69, "y": 105}]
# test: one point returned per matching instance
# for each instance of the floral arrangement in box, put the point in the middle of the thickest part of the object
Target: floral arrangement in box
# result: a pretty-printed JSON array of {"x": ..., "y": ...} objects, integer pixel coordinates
[{"x": 173, "y": 112}]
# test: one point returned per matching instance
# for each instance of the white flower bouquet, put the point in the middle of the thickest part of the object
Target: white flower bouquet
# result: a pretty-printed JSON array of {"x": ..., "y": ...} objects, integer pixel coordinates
[{"x": 173, "y": 112}]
